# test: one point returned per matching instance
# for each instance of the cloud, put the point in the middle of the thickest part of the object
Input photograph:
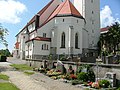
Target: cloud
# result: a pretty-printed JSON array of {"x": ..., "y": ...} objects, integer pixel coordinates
[
  {"x": 107, "y": 17},
  {"x": 10, "y": 11}
]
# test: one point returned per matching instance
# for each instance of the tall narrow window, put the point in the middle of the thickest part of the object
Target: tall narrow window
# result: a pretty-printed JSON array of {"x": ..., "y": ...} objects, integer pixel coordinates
[
  {"x": 63, "y": 20},
  {"x": 76, "y": 40},
  {"x": 47, "y": 47},
  {"x": 42, "y": 47},
  {"x": 63, "y": 40}
]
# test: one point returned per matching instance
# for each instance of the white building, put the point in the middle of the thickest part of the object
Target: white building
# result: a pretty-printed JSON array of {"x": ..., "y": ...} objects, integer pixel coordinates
[{"x": 61, "y": 27}]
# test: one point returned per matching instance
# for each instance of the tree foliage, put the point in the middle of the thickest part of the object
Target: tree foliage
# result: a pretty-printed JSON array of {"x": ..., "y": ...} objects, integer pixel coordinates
[
  {"x": 109, "y": 42},
  {"x": 5, "y": 52},
  {"x": 3, "y": 33}
]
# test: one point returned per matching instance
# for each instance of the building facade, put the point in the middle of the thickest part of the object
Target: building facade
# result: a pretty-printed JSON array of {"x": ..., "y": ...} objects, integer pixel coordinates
[{"x": 62, "y": 27}]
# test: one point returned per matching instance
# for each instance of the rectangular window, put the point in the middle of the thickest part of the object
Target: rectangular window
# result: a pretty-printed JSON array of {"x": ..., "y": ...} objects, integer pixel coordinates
[{"x": 44, "y": 34}]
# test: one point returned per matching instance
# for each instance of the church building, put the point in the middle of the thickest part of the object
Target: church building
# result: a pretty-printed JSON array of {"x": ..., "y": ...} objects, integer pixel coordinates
[{"x": 62, "y": 27}]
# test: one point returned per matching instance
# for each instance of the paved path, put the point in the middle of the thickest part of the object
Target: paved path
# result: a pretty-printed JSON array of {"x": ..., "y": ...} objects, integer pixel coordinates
[
  {"x": 15, "y": 60},
  {"x": 51, "y": 84},
  {"x": 37, "y": 81},
  {"x": 22, "y": 81}
]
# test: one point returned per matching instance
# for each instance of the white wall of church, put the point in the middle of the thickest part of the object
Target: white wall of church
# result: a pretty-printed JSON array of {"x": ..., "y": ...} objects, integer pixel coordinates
[
  {"x": 63, "y": 25},
  {"x": 46, "y": 29},
  {"x": 90, "y": 9},
  {"x": 38, "y": 48}
]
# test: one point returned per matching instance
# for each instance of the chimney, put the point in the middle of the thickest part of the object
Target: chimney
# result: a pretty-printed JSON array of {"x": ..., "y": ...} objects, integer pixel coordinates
[{"x": 36, "y": 21}]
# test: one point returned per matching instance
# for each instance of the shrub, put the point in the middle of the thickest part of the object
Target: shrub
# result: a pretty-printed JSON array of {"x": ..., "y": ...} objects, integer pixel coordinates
[
  {"x": 82, "y": 76},
  {"x": 89, "y": 72},
  {"x": 104, "y": 83},
  {"x": 118, "y": 88},
  {"x": 91, "y": 76},
  {"x": 3, "y": 58}
]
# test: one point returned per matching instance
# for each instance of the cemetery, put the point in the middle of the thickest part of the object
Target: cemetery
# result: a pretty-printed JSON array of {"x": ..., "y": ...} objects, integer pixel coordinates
[{"x": 82, "y": 76}]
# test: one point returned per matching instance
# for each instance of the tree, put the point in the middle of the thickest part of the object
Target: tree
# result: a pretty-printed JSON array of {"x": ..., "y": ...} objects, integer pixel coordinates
[
  {"x": 3, "y": 33},
  {"x": 5, "y": 52},
  {"x": 110, "y": 41},
  {"x": 114, "y": 34}
]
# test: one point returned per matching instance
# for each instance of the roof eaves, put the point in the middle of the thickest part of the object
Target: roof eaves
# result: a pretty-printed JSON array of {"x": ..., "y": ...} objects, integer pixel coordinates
[{"x": 42, "y": 10}]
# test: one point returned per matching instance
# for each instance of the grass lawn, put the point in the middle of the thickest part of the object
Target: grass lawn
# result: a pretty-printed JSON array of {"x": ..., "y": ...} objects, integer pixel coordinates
[
  {"x": 8, "y": 86},
  {"x": 4, "y": 77},
  {"x": 29, "y": 73},
  {"x": 21, "y": 67}
]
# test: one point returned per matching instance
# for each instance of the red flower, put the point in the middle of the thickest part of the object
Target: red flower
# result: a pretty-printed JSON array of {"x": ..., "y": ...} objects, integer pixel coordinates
[
  {"x": 72, "y": 76},
  {"x": 90, "y": 84}
]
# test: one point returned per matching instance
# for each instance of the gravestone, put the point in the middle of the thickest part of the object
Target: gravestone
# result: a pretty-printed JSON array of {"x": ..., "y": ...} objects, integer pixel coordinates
[{"x": 111, "y": 77}]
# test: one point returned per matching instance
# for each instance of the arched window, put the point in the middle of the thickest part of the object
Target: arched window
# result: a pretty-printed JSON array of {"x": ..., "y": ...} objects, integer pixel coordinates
[
  {"x": 76, "y": 40},
  {"x": 63, "y": 40}
]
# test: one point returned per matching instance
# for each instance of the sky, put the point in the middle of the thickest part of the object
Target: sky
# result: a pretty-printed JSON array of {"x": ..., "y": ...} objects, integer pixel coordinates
[{"x": 14, "y": 15}]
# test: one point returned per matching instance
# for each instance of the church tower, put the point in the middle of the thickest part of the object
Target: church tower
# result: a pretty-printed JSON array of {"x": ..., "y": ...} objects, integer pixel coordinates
[{"x": 90, "y": 10}]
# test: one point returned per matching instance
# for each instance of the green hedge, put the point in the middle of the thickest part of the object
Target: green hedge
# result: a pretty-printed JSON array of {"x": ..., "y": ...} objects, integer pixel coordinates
[
  {"x": 3, "y": 58},
  {"x": 104, "y": 83}
]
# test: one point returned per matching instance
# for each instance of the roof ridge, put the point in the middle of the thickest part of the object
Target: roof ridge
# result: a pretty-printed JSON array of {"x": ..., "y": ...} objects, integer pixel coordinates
[
  {"x": 70, "y": 6},
  {"x": 45, "y": 7},
  {"x": 50, "y": 15},
  {"x": 62, "y": 6}
]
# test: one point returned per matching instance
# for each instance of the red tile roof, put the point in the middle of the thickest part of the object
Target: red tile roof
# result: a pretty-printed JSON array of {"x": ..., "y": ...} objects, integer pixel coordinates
[
  {"x": 65, "y": 8},
  {"x": 17, "y": 45},
  {"x": 40, "y": 39},
  {"x": 105, "y": 29},
  {"x": 40, "y": 12}
]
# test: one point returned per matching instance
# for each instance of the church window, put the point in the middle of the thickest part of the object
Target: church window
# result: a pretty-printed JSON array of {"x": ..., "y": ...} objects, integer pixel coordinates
[
  {"x": 63, "y": 20},
  {"x": 92, "y": 12},
  {"x": 42, "y": 47},
  {"x": 76, "y": 40},
  {"x": 63, "y": 40},
  {"x": 77, "y": 21},
  {"x": 44, "y": 34},
  {"x": 47, "y": 47},
  {"x": 92, "y": 21}
]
